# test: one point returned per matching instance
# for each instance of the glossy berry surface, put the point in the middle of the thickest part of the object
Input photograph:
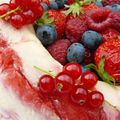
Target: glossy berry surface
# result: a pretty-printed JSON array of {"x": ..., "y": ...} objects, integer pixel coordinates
[
  {"x": 17, "y": 20},
  {"x": 89, "y": 79},
  {"x": 44, "y": 5},
  {"x": 29, "y": 16},
  {"x": 113, "y": 7},
  {"x": 79, "y": 95},
  {"x": 73, "y": 69},
  {"x": 92, "y": 39},
  {"x": 46, "y": 34},
  {"x": 64, "y": 82},
  {"x": 60, "y": 3},
  {"x": 53, "y": 5},
  {"x": 47, "y": 84},
  {"x": 76, "y": 53},
  {"x": 4, "y": 8},
  {"x": 95, "y": 99}
]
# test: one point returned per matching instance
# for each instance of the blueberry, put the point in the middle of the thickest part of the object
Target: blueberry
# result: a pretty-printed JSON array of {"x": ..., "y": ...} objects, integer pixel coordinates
[
  {"x": 76, "y": 53},
  {"x": 53, "y": 5},
  {"x": 99, "y": 3},
  {"x": 44, "y": 5},
  {"x": 92, "y": 39},
  {"x": 114, "y": 7},
  {"x": 61, "y": 3},
  {"x": 46, "y": 34}
]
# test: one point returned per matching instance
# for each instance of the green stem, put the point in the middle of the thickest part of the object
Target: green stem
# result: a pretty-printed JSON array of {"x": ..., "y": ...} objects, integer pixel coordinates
[
  {"x": 45, "y": 71},
  {"x": 9, "y": 12}
]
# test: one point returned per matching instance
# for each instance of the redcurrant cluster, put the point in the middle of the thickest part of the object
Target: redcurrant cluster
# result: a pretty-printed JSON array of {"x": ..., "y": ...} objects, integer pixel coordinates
[
  {"x": 75, "y": 83},
  {"x": 21, "y": 12}
]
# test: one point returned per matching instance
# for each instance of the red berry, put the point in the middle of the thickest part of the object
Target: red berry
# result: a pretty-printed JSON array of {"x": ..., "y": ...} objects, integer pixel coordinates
[
  {"x": 47, "y": 84},
  {"x": 38, "y": 11},
  {"x": 15, "y": 3},
  {"x": 17, "y": 20},
  {"x": 64, "y": 82},
  {"x": 95, "y": 99},
  {"x": 73, "y": 69},
  {"x": 79, "y": 95},
  {"x": 4, "y": 8},
  {"x": 110, "y": 2},
  {"x": 29, "y": 16},
  {"x": 89, "y": 79},
  {"x": 99, "y": 19}
]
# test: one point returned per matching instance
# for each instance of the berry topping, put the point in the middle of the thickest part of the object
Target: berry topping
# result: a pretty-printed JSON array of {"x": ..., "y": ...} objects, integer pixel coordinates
[
  {"x": 113, "y": 7},
  {"x": 60, "y": 3},
  {"x": 92, "y": 39},
  {"x": 73, "y": 69},
  {"x": 64, "y": 82},
  {"x": 53, "y": 5},
  {"x": 110, "y": 2},
  {"x": 47, "y": 84},
  {"x": 4, "y": 8},
  {"x": 17, "y": 20},
  {"x": 46, "y": 34},
  {"x": 79, "y": 95},
  {"x": 89, "y": 79},
  {"x": 76, "y": 53},
  {"x": 44, "y": 5},
  {"x": 74, "y": 29},
  {"x": 59, "y": 50},
  {"x": 99, "y": 19},
  {"x": 115, "y": 16},
  {"x": 95, "y": 99}
]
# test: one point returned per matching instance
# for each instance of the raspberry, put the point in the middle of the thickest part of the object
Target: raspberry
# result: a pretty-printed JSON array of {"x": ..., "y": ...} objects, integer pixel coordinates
[
  {"x": 59, "y": 50},
  {"x": 116, "y": 20},
  {"x": 75, "y": 29},
  {"x": 99, "y": 19},
  {"x": 110, "y": 2}
]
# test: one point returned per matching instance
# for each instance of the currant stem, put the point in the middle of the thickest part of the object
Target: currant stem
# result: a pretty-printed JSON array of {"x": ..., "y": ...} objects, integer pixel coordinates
[
  {"x": 45, "y": 71},
  {"x": 9, "y": 12}
]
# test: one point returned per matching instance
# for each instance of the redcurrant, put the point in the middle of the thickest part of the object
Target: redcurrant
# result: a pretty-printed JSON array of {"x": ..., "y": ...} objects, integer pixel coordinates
[
  {"x": 4, "y": 8},
  {"x": 73, "y": 69},
  {"x": 29, "y": 16},
  {"x": 79, "y": 95},
  {"x": 47, "y": 84},
  {"x": 95, "y": 99},
  {"x": 15, "y": 3},
  {"x": 17, "y": 20},
  {"x": 64, "y": 82},
  {"x": 89, "y": 79}
]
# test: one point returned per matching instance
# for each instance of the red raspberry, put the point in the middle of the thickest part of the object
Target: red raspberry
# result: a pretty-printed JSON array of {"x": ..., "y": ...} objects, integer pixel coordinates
[
  {"x": 110, "y": 2},
  {"x": 75, "y": 29},
  {"x": 59, "y": 50},
  {"x": 89, "y": 56},
  {"x": 69, "y": 2},
  {"x": 116, "y": 20},
  {"x": 99, "y": 19}
]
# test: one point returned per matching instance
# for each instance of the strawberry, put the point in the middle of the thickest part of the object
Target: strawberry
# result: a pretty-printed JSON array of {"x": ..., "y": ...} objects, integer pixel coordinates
[
  {"x": 110, "y": 50},
  {"x": 59, "y": 50},
  {"x": 110, "y": 34},
  {"x": 59, "y": 21},
  {"x": 45, "y": 1}
]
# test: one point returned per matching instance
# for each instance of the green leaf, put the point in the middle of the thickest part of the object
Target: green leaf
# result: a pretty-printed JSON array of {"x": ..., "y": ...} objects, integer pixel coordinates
[
  {"x": 118, "y": 37},
  {"x": 101, "y": 64}
]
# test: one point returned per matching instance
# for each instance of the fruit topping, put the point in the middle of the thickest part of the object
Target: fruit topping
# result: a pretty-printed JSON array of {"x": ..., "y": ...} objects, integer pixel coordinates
[
  {"x": 46, "y": 34},
  {"x": 53, "y": 5},
  {"x": 76, "y": 53},
  {"x": 75, "y": 85},
  {"x": 95, "y": 98},
  {"x": 92, "y": 39},
  {"x": 73, "y": 69},
  {"x": 44, "y": 5},
  {"x": 59, "y": 50},
  {"x": 116, "y": 20},
  {"x": 74, "y": 29},
  {"x": 89, "y": 79},
  {"x": 79, "y": 95},
  {"x": 113, "y": 7},
  {"x": 110, "y": 2},
  {"x": 47, "y": 84},
  {"x": 99, "y": 19},
  {"x": 64, "y": 82}
]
